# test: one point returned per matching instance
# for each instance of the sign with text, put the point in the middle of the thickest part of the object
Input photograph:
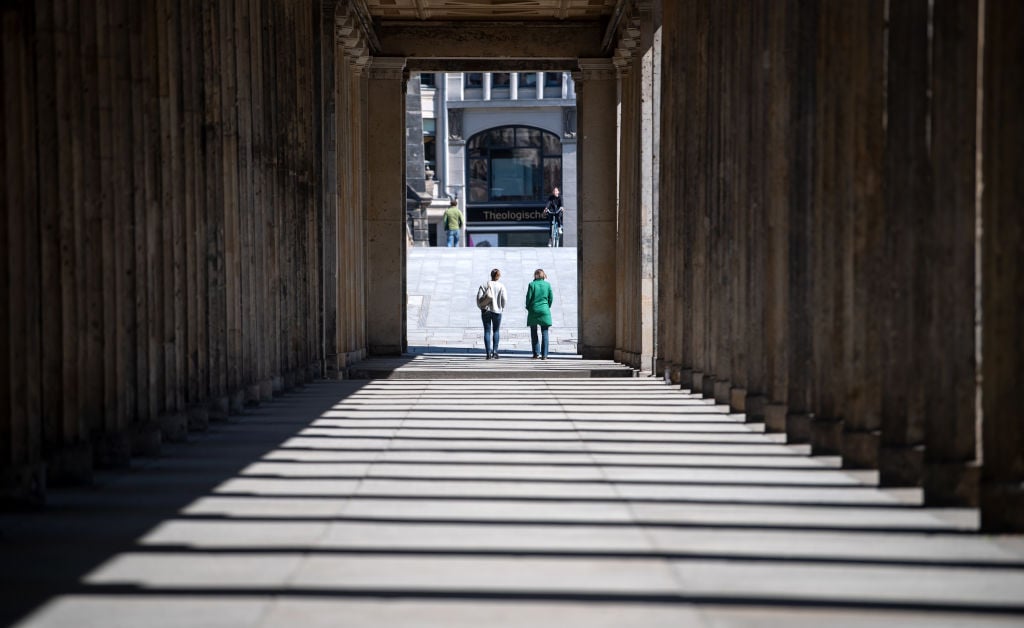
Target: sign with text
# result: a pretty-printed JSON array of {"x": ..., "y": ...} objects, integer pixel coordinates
[{"x": 505, "y": 214}]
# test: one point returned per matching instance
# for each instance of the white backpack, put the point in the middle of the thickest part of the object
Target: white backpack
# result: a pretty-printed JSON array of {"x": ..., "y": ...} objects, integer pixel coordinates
[{"x": 484, "y": 296}]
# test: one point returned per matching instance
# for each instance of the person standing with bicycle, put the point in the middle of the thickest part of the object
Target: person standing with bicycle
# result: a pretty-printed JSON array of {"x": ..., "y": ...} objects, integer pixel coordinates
[{"x": 554, "y": 211}]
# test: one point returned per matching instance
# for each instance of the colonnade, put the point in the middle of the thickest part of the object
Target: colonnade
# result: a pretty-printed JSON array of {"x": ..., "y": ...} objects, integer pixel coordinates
[
  {"x": 820, "y": 235},
  {"x": 802, "y": 209},
  {"x": 175, "y": 181}
]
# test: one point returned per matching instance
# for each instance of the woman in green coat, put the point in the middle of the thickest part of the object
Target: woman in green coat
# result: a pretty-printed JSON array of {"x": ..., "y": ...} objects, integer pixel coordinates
[{"x": 538, "y": 312}]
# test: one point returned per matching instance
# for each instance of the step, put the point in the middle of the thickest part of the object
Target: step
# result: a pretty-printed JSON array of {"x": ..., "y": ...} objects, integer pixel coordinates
[{"x": 475, "y": 366}]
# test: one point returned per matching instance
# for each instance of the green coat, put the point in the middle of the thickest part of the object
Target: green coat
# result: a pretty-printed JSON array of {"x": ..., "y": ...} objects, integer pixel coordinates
[
  {"x": 538, "y": 303},
  {"x": 452, "y": 219}
]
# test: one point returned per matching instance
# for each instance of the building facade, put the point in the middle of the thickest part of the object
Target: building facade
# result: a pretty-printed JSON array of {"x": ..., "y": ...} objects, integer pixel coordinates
[{"x": 499, "y": 142}]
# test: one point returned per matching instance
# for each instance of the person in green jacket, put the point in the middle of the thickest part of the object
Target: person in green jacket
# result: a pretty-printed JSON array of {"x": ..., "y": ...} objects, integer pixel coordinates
[
  {"x": 453, "y": 223},
  {"x": 538, "y": 312}
]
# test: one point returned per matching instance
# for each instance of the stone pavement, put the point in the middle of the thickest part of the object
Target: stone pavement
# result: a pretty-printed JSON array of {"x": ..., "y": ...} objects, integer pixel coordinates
[
  {"x": 451, "y": 503},
  {"x": 441, "y": 287}
]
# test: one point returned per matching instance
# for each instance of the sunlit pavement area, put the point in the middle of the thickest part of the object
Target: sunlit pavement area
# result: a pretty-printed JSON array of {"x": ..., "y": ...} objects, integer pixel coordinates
[
  {"x": 552, "y": 502},
  {"x": 441, "y": 307}
]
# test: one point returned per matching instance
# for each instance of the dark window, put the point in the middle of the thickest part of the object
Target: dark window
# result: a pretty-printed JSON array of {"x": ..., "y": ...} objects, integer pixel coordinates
[
  {"x": 430, "y": 143},
  {"x": 552, "y": 79},
  {"x": 428, "y": 80},
  {"x": 474, "y": 80},
  {"x": 512, "y": 164},
  {"x": 500, "y": 80},
  {"x": 528, "y": 79}
]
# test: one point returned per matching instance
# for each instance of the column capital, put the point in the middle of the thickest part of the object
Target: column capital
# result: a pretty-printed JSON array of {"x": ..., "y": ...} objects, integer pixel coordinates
[
  {"x": 599, "y": 69},
  {"x": 387, "y": 68}
]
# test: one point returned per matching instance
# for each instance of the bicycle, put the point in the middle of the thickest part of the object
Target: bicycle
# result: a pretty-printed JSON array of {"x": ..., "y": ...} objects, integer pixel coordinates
[{"x": 556, "y": 233}]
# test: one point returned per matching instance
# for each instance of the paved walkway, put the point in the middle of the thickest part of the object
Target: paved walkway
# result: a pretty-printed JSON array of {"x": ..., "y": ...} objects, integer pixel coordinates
[
  {"x": 442, "y": 311},
  {"x": 554, "y": 502}
]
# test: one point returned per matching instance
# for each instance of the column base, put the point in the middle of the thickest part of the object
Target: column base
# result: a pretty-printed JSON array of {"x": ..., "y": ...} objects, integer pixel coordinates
[
  {"x": 707, "y": 387},
  {"x": 174, "y": 427},
  {"x": 590, "y": 352},
  {"x": 1002, "y": 507},
  {"x": 237, "y": 400},
  {"x": 112, "y": 450},
  {"x": 775, "y": 418},
  {"x": 720, "y": 390},
  {"x": 266, "y": 389},
  {"x": 755, "y": 405},
  {"x": 798, "y": 428},
  {"x": 146, "y": 439},
  {"x": 951, "y": 484},
  {"x": 826, "y": 436},
  {"x": 686, "y": 379},
  {"x": 70, "y": 466},
  {"x": 738, "y": 400},
  {"x": 23, "y": 486},
  {"x": 219, "y": 409},
  {"x": 675, "y": 375},
  {"x": 252, "y": 395},
  {"x": 697, "y": 382},
  {"x": 900, "y": 466},
  {"x": 860, "y": 449},
  {"x": 198, "y": 418},
  {"x": 331, "y": 367}
]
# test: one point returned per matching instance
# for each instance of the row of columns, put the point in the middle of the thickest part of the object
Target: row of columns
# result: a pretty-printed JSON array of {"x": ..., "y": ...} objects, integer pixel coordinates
[
  {"x": 819, "y": 228},
  {"x": 638, "y": 158},
  {"x": 174, "y": 184}
]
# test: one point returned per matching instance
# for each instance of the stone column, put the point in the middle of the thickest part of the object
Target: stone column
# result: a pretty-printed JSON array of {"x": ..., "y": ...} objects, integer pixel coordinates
[
  {"x": 513, "y": 86},
  {"x": 950, "y": 472},
  {"x": 487, "y": 85},
  {"x": 596, "y": 175},
  {"x": 648, "y": 184},
  {"x": 756, "y": 161},
  {"x": 328, "y": 192},
  {"x": 1002, "y": 272},
  {"x": 540, "y": 86},
  {"x": 669, "y": 243},
  {"x": 906, "y": 173},
  {"x": 779, "y": 128},
  {"x": 694, "y": 194},
  {"x": 864, "y": 242},
  {"x": 793, "y": 416},
  {"x": 385, "y": 209}
]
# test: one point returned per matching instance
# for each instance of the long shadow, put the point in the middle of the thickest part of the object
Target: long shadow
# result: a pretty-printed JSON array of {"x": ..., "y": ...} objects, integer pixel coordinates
[
  {"x": 51, "y": 553},
  {"x": 47, "y": 552},
  {"x": 545, "y": 595},
  {"x": 656, "y": 554}
]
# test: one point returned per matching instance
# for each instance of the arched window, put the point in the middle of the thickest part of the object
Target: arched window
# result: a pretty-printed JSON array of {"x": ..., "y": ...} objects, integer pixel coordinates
[{"x": 513, "y": 164}]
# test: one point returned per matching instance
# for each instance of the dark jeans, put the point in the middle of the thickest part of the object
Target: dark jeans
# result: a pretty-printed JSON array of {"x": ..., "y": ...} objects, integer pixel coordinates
[
  {"x": 539, "y": 348},
  {"x": 491, "y": 319}
]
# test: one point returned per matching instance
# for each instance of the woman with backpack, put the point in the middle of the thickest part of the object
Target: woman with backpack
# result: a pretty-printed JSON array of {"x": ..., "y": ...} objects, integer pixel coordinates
[
  {"x": 491, "y": 299},
  {"x": 538, "y": 312}
]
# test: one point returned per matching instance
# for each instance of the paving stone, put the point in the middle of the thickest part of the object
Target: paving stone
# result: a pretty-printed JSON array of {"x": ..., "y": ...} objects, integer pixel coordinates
[
  {"x": 578, "y": 503},
  {"x": 474, "y": 613}
]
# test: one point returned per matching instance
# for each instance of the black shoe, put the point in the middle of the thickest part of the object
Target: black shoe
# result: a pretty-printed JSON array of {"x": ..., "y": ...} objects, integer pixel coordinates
[
  {"x": 535, "y": 356},
  {"x": 488, "y": 356},
  {"x": 495, "y": 355}
]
